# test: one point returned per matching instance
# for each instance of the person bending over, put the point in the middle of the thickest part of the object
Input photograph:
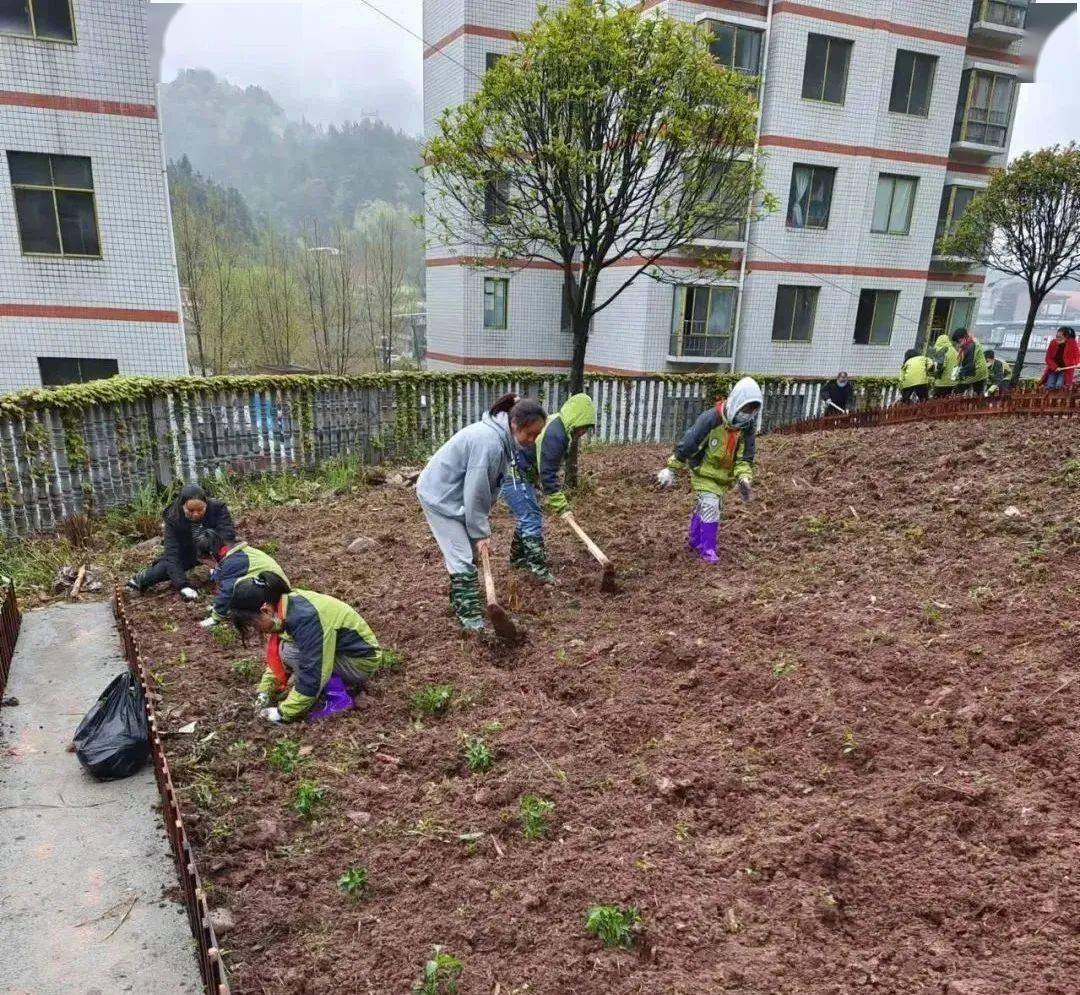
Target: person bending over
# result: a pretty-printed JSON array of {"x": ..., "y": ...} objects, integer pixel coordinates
[{"x": 229, "y": 563}]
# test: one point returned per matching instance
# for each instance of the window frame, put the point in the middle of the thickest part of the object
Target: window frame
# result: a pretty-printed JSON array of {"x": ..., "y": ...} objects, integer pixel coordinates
[
  {"x": 927, "y": 335},
  {"x": 736, "y": 27},
  {"x": 967, "y": 95},
  {"x": 54, "y": 189},
  {"x": 894, "y": 296},
  {"x": 797, "y": 289},
  {"x": 982, "y": 7},
  {"x": 491, "y": 59},
  {"x": 78, "y": 360},
  {"x": 34, "y": 36},
  {"x": 892, "y": 199},
  {"x": 492, "y": 281},
  {"x": 947, "y": 217},
  {"x": 848, "y": 45},
  {"x": 679, "y": 321},
  {"x": 813, "y": 167},
  {"x": 916, "y": 56}
]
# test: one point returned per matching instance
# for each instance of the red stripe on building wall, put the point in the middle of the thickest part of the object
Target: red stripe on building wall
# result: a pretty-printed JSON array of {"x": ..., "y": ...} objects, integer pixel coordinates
[
  {"x": 736, "y": 6},
  {"x": 941, "y": 277},
  {"x": 874, "y": 23},
  {"x": 866, "y": 151},
  {"x": 478, "y": 30},
  {"x": 492, "y": 263},
  {"x": 994, "y": 55},
  {"x": 883, "y": 272},
  {"x": 88, "y": 313},
  {"x": 48, "y": 101}
]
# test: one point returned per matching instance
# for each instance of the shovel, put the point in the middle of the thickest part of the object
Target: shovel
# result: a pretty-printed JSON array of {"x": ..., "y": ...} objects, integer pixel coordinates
[
  {"x": 608, "y": 581},
  {"x": 500, "y": 619}
]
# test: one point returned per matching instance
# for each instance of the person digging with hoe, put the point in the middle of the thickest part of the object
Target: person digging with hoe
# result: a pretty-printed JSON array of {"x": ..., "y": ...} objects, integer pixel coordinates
[
  {"x": 542, "y": 464},
  {"x": 319, "y": 643},
  {"x": 229, "y": 562},
  {"x": 719, "y": 450},
  {"x": 190, "y": 516}
]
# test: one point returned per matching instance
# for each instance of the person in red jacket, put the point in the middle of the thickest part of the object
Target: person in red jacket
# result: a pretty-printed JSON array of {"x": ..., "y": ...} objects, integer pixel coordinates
[{"x": 1062, "y": 358}]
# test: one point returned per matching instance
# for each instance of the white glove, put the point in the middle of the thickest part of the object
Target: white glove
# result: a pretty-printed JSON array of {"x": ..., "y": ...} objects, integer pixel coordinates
[
  {"x": 666, "y": 477},
  {"x": 271, "y": 715},
  {"x": 262, "y": 700},
  {"x": 189, "y": 594},
  {"x": 208, "y": 623},
  {"x": 956, "y": 374},
  {"x": 745, "y": 491}
]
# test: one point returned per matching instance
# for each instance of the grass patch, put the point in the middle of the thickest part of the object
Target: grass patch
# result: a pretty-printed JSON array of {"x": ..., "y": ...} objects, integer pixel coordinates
[
  {"x": 309, "y": 794},
  {"x": 284, "y": 755},
  {"x": 477, "y": 754},
  {"x": 434, "y": 699},
  {"x": 534, "y": 813},
  {"x": 615, "y": 926}
]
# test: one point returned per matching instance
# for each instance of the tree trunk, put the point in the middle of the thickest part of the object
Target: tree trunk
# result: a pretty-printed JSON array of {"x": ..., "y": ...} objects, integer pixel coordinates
[
  {"x": 1029, "y": 324},
  {"x": 577, "y": 386}
]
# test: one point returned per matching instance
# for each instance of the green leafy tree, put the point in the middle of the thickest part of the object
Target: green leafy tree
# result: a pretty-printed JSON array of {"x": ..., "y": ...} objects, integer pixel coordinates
[
  {"x": 610, "y": 139},
  {"x": 1026, "y": 223}
]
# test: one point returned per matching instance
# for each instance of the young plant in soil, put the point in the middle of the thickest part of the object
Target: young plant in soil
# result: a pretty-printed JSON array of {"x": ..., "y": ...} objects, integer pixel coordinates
[
  {"x": 225, "y": 635},
  {"x": 284, "y": 755},
  {"x": 434, "y": 699},
  {"x": 247, "y": 668},
  {"x": 534, "y": 812},
  {"x": 354, "y": 881},
  {"x": 308, "y": 795},
  {"x": 477, "y": 754},
  {"x": 617, "y": 927},
  {"x": 441, "y": 974}
]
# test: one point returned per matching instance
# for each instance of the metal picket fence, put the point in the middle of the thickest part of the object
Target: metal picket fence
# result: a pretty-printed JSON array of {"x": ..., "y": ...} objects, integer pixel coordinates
[{"x": 10, "y": 622}]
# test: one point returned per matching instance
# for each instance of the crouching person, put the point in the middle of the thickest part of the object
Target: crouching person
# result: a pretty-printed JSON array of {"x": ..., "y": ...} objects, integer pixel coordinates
[
  {"x": 719, "y": 450},
  {"x": 229, "y": 562},
  {"x": 318, "y": 643}
]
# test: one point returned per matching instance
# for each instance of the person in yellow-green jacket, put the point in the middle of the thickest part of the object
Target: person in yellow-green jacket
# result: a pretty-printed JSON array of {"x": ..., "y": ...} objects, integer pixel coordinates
[
  {"x": 542, "y": 465},
  {"x": 318, "y": 643},
  {"x": 229, "y": 562},
  {"x": 915, "y": 376},
  {"x": 945, "y": 356},
  {"x": 719, "y": 449}
]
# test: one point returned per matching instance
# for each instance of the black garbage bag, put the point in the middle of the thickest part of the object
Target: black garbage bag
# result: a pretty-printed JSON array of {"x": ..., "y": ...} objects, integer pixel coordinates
[{"x": 113, "y": 740}]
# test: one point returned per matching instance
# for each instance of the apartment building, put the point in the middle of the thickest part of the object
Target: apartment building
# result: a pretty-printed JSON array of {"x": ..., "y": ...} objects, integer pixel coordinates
[
  {"x": 880, "y": 121},
  {"x": 88, "y": 284}
]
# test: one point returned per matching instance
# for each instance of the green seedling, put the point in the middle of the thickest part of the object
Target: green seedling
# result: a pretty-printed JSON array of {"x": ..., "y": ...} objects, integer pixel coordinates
[
  {"x": 225, "y": 635},
  {"x": 247, "y": 668},
  {"x": 270, "y": 547},
  {"x": 478, "y": 755},
  {"x": 308, "y": 795},
  {"x": 784, "y": 666},
  {"x": 171, "y": 627},
  {"x": 434, "y": 699},
  {"x": 932, "y": 614},
  {"x": 385, "y": 659},
  {"x": 616, "y": 927},
  {"x": 284, "y": 755},
  {"x": 354, "y": 881},
  {"x": 441, "y": 974},
  {"x": 534, "y": 812}
]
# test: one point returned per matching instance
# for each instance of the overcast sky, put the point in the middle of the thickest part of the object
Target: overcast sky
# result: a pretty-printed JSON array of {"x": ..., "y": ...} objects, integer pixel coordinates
[{"x": 335, "y": 59}]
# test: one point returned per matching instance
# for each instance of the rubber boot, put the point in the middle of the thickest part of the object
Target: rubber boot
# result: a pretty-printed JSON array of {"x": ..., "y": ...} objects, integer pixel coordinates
[
  {"x": 707, "y": 542},
  {"x": 336, "y": 698},
  {"x": 519, "y": 557},
  {"x": 537, "y": 560},
  {"x": 465, "y": 601},
  {"x": 693, "y": 537}
]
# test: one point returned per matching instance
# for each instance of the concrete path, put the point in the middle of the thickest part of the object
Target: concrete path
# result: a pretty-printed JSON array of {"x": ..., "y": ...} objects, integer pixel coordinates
[{"x": 76, "y": 855}]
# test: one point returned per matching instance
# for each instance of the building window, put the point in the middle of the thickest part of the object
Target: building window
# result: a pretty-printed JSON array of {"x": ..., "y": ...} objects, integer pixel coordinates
[
  {"x": 703, "y": 322},
  {"x": 943, "y": 316},
  {"x": 954, "y": 201},
  {"x": 491, "y": 59},
  {"x": 893, "y": 204},
  {"x": 826, "y": 71},
  {"x": 912, "y": 83},
  {"x": 54, "y": 204},
  {"x": 496, "y": 292},
  {"x": 496, "y": 194},
  {"x": 875, "y": 317},
  {"x": 738, "y": 48},
  {"x": 55, "y": 372},
  {"x": 1010, "y": 13},
  {"x": 986, "y": 103},
  {"x": 794, "y": 317},
  {"x": 811, "y": 196},
  {"x": 49, "y": 20}
]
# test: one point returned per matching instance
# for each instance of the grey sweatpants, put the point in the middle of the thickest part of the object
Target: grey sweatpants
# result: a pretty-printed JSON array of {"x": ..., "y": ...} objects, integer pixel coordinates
[
  {"x": 453, "y": 540},
  {"x": 344, "y": 666}
]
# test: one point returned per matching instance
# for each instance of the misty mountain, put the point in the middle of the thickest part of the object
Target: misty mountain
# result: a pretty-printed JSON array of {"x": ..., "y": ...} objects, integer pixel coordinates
[{"x": 291, "y": 172}]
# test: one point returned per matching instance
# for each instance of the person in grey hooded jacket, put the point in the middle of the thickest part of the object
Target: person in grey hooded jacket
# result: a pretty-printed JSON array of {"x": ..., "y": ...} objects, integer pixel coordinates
[{"x": 460, "y": 485}]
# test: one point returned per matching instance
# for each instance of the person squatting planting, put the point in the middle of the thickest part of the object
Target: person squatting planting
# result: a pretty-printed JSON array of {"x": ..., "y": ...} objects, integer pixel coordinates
[
  {"x": 459, "y": 487},
  {"x": 719, "y": 450},
  {"x": 541, "y": 464},
  {"x": 229, "y": 562},
  {"x": 321, "y": 644},
  {"x": 189, "y": 517}
]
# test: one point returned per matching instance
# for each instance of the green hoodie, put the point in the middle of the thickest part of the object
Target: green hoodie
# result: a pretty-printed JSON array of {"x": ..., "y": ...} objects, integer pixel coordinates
[
  {"x": 946, "y": 358},
  {"x": 554, "y": 443}
]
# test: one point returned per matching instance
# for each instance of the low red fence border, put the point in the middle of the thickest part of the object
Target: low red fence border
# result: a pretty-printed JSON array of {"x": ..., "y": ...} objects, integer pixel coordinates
[
  {"x": 211, "y": 967},
  {"x": 1032, "y": 403},
  {"x": 10, "y": 621}
]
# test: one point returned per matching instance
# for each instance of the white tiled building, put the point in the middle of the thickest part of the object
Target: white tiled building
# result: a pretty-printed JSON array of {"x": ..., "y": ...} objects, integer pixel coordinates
[
  {"x": 88, "y": 282},
  {"x": 879, "y": 120}
]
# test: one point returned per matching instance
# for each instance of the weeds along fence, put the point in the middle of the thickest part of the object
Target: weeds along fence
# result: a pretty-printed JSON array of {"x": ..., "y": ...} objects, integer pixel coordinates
[
  {"x": 94, "y": 446},
  {"x": 211, "y": 967},
  {"x": 10, "y": 622}
]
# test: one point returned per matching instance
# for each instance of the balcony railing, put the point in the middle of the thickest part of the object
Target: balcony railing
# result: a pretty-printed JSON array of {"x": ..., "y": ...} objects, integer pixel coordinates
[
  {"x": 999, "y": 13},
  {"x": 691, "y": 339}
]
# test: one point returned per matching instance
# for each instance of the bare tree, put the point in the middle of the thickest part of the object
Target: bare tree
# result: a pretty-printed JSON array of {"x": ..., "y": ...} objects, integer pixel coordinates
[
  {"x": 383, "y": 266},
  {"x": 190, "y": 234},
  {"x": 272, "y": 299},
  {"x": 330, "y": 278}
]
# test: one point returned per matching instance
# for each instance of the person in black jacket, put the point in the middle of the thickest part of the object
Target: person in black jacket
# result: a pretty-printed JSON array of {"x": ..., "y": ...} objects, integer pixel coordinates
[
  {"x": 837, "y": 395},
  {"x": 186, "y": 520}
]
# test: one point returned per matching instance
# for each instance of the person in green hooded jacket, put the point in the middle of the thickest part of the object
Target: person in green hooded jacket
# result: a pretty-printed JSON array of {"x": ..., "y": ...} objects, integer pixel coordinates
[
  {"x": 945, "y": 357},
  {"x": 229, "y": 562},
  {"x": 542, "y": 465},
  {"x": 915, "y": 376}
]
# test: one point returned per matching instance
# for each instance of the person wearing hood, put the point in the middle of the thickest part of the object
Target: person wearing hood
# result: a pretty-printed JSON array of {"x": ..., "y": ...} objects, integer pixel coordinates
[
  {"x": 719, "y": 450},
  {"x": 945, "y": 356},
  {"x": 542, "y": 464},
  {"x": 229, "y": 562},
  {"x": 837, "y": 395},
  {"x": 319, "y": 644},
  {"x": 186, "y": 519},
  {"x": 1062, "y": 358},
  {"x": 915, "y": 376},
  {"x": 459, "y": 487},
  {"x": 970, "y": 373}
]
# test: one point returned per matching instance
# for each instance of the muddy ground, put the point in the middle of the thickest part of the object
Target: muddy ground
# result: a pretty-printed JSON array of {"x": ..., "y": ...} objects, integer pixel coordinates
[{"x": 845, "y": 760}]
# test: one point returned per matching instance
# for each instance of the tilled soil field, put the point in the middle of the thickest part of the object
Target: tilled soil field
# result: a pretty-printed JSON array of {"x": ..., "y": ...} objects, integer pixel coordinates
[{"x": 845, "y": 760}]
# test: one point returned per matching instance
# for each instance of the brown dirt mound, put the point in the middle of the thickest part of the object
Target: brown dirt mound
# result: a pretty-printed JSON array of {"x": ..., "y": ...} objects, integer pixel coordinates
[{"x": 845, "y": 760}]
